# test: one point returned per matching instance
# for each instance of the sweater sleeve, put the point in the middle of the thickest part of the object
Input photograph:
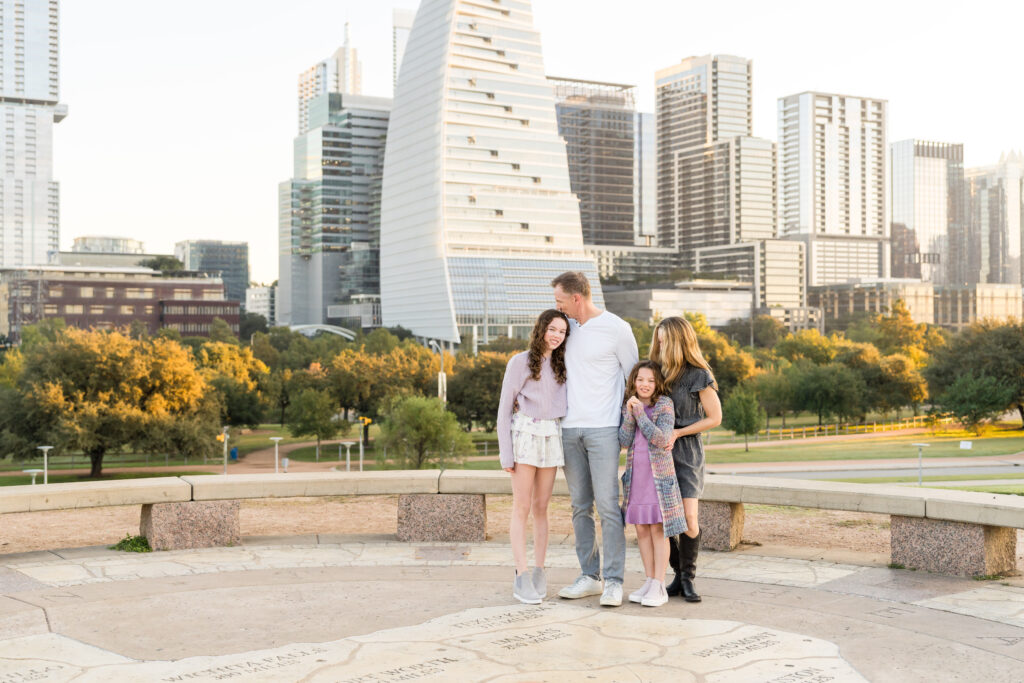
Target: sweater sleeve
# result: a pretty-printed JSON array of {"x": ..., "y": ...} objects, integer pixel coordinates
[
  {"x": 627, "y": 428},
  {"x": 659, "y": 431},
  {"x": 512, "y": 384}
]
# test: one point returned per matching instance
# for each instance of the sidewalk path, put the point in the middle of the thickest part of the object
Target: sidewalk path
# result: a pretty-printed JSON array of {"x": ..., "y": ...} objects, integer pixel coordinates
[{"x": 342, "y": 608}]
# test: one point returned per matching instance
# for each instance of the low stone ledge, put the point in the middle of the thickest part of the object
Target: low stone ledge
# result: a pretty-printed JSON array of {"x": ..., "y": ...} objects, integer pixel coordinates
[
  {"x": 958, "y": 548},
  {"x": 489, "y": 483},
  {"x": 89, "y": 494},
  {"x": 721, "y": 525},
  {"x": 442, "y": 517},
  {"x": 203, "y": 524},
  {"x": 302, "y": 484}
]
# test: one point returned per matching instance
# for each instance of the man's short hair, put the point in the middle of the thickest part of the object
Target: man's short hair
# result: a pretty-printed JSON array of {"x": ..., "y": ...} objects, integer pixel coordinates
[{"x": 573, "y": 282}]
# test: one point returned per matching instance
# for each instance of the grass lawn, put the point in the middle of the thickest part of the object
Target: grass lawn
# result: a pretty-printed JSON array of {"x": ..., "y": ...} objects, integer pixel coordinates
[
  {"x": 1010, "y": 489},
  {"x": 950, "y": 477},
  {"x": 22, "y": 480},
  {"x": 943, "y": 445}
]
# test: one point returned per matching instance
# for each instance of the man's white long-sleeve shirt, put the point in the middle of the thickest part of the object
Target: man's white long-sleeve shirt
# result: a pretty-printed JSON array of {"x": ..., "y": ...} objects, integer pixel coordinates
[{"x": 599, "y": 355}]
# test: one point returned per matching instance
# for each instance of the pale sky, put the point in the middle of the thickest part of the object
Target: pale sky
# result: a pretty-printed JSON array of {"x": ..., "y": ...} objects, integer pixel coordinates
[{"x": 182, "y": 114}]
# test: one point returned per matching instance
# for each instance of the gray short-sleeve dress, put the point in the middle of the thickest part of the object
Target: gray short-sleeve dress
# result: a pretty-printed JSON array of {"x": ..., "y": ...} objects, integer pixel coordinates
[{"x": 688, "y": 451}]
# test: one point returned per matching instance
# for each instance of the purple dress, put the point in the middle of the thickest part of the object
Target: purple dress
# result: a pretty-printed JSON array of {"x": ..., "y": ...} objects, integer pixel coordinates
[{"x": 642, "y": 507}]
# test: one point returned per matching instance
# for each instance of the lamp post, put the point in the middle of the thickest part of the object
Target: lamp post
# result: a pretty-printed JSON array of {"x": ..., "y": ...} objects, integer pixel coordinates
[
  {"x": 46, "y": 462},
  {"x": 442, "y": 378},
  {"x": 225, "y": 438},
  {"x": 277, "y": 443},
  {"x": 920, "y": 461},
  {"x": 348, "y": 453}
]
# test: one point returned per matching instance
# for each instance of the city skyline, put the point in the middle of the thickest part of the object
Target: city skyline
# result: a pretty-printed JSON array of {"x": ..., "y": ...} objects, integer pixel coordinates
[{"x": 212, "y": 171}]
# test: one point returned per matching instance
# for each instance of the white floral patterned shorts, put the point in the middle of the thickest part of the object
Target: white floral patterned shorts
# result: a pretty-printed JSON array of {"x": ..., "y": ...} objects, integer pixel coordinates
[{"x": 537, "y": 442}]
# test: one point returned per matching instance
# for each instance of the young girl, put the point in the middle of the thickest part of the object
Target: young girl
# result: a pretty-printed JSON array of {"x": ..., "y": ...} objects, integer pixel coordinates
[
  {"x": 533, "y": 398},
  {"x": 650, "y": 491},
  {"x": 694, "y": 393}
]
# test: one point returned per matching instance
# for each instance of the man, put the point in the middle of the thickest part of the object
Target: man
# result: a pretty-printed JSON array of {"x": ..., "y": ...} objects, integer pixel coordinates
[{"x": 600, "y": 352}]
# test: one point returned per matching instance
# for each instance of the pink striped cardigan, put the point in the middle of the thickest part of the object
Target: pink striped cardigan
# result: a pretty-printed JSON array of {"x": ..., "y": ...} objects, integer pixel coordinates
[{"x": 659, "y": 434}]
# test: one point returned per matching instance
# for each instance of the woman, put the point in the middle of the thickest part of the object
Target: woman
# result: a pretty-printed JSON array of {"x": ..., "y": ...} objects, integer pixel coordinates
[
  {"x": 694, "y": 394},
  {"x": 533, "y": 399}
]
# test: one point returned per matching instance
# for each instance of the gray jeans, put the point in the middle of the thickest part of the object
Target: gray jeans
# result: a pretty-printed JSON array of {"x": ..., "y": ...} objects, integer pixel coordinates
[{"x": 592, "y": 472}]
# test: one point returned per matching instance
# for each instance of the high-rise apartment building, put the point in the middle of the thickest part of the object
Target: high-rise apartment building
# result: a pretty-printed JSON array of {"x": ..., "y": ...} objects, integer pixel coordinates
[
  {"x": 716, "y": 183},
  {"x": 329, "y": 220},
  {"x": 29, "y": 105},
  {"x": 996, "y": 222},
  {"x": 262, "y": 300},
  {"x": 103, "y": 244},
  {"x": 477, "y": 213},
  {"x": 775, "y": 268},
  {"x": 401, "y": 25},
  {"x": 832, "y": 184},
  {"x": 929, "y": 211},
  {"x": 342, "y": 72},
  {"x": 597, "y": 121},
  {"x": 226, "y": 260}
]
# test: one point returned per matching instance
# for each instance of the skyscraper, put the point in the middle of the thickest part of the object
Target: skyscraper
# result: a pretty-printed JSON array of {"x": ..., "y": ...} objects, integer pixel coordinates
[
  {"x": 645, "y": 180},
  {"x": 30, "y": 92},
  {"x": 832, "y": 184},
  {"x": 477, "y": 214},
  {"x": 342, "y": 72},
  {"x": 226, "y": 260},
  {"x": 716, "y": 183},
  {"x": 401, "y": 24},
  {"x": 997, "y": 221},
  {"x": 597, "y": 121},
  {"x": 929, "y": 211},
  {"x": 329, "y": 218}
]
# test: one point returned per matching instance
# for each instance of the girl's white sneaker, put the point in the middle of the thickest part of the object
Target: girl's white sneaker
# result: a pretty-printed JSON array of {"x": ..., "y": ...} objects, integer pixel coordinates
[
  {"x": 638, "y": 595},
  {"x": 656, "y": 596}
]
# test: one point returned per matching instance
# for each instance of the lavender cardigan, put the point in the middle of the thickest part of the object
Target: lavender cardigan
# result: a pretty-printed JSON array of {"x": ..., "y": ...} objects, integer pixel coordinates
[{"x": 659, "y": 433}]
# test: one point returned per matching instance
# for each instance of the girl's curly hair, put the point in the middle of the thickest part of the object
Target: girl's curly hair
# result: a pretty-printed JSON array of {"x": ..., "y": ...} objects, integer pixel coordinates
[{"x": 538, "y": 346}]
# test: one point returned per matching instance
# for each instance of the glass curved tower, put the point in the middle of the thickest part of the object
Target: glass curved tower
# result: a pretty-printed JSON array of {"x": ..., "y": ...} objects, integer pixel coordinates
[{"x": 477, "y": 215}]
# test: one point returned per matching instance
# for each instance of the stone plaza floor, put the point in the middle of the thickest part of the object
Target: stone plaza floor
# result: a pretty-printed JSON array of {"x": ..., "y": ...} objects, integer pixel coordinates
[{"x": 358, "y": 608}]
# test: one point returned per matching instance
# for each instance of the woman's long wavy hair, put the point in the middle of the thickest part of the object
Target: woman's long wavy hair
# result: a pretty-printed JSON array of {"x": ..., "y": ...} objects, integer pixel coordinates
[
  {"x": 538, "y": 346},
  {"x": 679, "y": 349}
]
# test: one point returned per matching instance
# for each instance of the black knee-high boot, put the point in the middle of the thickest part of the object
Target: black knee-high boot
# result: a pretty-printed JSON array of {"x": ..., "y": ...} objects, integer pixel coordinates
[
  {"x": 688, "y": 550},
  {"x": 675, "y": 587}
]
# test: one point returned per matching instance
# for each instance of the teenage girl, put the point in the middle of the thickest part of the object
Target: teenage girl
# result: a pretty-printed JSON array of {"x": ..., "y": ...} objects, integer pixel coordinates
[
  {"x": 694, "y": 393},
  {"x": 650, "y": 492},
  {"x": 533, "y": 398}
]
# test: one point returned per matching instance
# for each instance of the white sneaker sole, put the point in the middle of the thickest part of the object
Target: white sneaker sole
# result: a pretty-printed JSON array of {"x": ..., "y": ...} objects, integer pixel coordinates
[
  {"x": 654, "y": 602},
  {"x": 636, "y": 598},
  {"x": 608, "y": 602},
  {"x": 576, "y": 596},
  {"x": 526, "y": 601}
]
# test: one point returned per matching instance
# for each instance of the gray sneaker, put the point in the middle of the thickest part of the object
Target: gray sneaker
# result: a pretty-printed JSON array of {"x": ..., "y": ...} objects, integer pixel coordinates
[
  {"x": 582, "y": 587},
  {"x": 523, "y": 590},
  {"x": 540, "y": 582},
  {"x": 612, "y": 596}
]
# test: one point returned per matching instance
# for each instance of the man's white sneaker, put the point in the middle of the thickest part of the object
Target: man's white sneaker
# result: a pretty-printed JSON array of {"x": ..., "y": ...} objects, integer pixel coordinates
[
  {"x": 638, "y": 595},
  {"x": 582, "y": 587},
  {"x": 656, "y": 596},
  {"x": 612, "y": 596}
]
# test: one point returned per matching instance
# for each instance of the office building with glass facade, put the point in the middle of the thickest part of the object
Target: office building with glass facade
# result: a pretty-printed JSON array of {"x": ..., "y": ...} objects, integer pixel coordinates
[
  {"x": 996, "y": 228},
  {"x": 929, "y": 211},
  {"x": 775, "y": 268},
  {"x": 833, "y": 179},
  {"x": 262, "y": 300},
  {"x": 29, "y": 106},
  {"x": 645, "y": 180},
  {"x": 226, "y": 260},
  {"x": 329, "y": 220},
  {"x": 477, "y": 211},
  {"x": 597, "y": 121}
]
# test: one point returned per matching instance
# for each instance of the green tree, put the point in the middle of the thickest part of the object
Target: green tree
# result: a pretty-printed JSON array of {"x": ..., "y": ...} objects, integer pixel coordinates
[
  {"x": 806, "y": 344},
  {"x": 312, "y": 414},
  {"x": 249, "y": 324},
  {"x": 220, "y": 331},
  {"x": 643, "y": 332},
  {"x": 775, "y": 392},
  {"x": 826, "y": 390},
  {"x": 991, "y": 348},
  {"x": 975, "y": 399},
  {"x": 766, "y": 331},
  {"x": 418, "y": 431},
  {"x": 239, "y": 405},
  {"x": 474, "y": 392},
  {"x": 505, "y": 344},
  {"x": 163, "y": 263},
  {"x": 742, "y": 414},
  {"x": 901, "y": 383},
  {"x": 42, "y": 332}
]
